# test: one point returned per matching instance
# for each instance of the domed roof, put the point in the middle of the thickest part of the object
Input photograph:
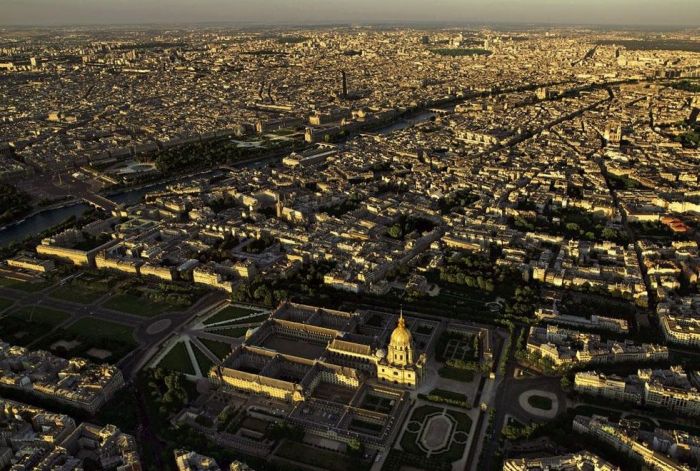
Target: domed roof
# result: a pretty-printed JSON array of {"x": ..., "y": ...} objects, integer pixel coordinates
[{"x": 401, "y": 336}]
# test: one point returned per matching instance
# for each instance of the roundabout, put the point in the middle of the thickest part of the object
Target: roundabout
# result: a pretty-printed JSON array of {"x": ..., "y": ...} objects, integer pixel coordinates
[
  {"x": 158, "y": 326},
  {"x": 539, "y": 403}
]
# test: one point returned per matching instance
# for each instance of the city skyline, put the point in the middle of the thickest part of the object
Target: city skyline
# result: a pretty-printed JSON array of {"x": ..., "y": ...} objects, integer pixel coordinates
[
  {"x": 676, "y": 13},
  {"x": 350, "y": 245}
]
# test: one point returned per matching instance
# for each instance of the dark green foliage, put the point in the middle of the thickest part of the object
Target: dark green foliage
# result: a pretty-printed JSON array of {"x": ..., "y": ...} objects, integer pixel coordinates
[
  {"x": 13, "y": 203},
  {"x": 446, "y": 397},
  {"x": 408, "y": 224},
  {"x": 687, "y": 85}
]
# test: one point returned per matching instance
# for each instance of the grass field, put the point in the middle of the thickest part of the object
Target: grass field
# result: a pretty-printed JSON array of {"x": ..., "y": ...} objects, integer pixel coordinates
[
  {"x": 421, "y": 412},
  {"x": 234, "y": 332},
  {"x": 177, "y": 359},
  {"x": 92, "y": 333},
  {"x": 454, "y": 450},
  {"x": 77, "y": 294},
  {"x": 5, "y": 303},
  {"x": 40, "y": 315},
  {"x": 464, "y": 423},
  {"x": 137, "y": 306},
  {"x": 466, "y": 376},
  {"x": 229, "y": 313},
  {"x": 28, "y": 286},
  {"x": 204, "y": 362},
  {"x": 95, "y": 328},
  {"x": 219, "y": 349},
  {"x": 540, "y": 402},
  {"x": 17, "y": 328},
  {"x": 318, "y": 457}
]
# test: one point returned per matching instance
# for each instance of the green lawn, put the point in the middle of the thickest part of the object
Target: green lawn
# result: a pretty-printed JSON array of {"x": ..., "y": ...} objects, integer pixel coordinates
[
  {"x": 177, "y": 359},
  {"x": 5, "y": 303},
  {"x": 540, "y": 402},
  {"x": 92, "y": 333},
  {"x": 251, "y": 320},
  {"x": 28, "y": 286},
  {"x": 94, "y": 328},
  {"x": 464, "y": 423},
  {"x": 466, "y": 376},
  {"x": 77, "y": 294},
  {"x": 136, "y": 305},
  {"x": 421, "y": 412},
  {"x": 40, "y": 315},
  {"x": 235, "y": 332},
  {"x": 17, "y": 328},
  {"x": 313, "y": 456},
  {"x": 408, "y": 443},
  {"x": 455, "y": 450},
  {"x": 229, "y": 313},
  {"x": 219, "y": 349},
  {"x": 204, "y": 362}
]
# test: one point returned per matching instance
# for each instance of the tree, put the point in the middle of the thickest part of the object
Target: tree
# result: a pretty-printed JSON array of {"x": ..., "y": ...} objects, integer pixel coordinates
[
  {"x": 565, "y": 383},
  {"x": 572, "y": 227},
  {"x": 355, "y": 448},
  {"x": 395, "y": 231},
  {"x": 610, "y": 233}
]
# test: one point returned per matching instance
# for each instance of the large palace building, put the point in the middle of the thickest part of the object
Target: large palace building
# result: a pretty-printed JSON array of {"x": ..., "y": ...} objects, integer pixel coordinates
[
  {"x": 344, "y": 375},
  {"x": 300, "y": 347}
]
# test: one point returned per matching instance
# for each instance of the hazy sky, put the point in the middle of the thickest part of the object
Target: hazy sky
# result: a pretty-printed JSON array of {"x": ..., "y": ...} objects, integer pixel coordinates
[{"x": 629, "y": 12}]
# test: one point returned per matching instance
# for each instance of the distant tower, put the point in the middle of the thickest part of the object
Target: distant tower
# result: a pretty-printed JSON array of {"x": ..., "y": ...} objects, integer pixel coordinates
[
  {"x": 345, "y": 83},
  {"x": 613, "y": 133},
  {"x": 279, "y": 207}
]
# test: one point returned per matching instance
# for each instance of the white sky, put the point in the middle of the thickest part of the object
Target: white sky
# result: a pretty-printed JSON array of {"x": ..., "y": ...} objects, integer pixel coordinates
[{"x": 627, "y": 12}]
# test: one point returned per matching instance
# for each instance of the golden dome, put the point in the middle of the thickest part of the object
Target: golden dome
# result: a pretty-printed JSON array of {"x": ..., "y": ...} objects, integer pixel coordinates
[{"x": 401, "y": 336}]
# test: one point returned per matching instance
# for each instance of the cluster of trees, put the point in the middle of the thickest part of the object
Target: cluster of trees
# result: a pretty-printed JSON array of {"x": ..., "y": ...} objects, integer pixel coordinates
[
  {"x": 13, "y": 203},
  {"x": 169, "y": 294},
  {"x": 514, "y": 431},
  {"x": 284, "y": 430},
  {"x": 468, "y": 365},
  {"x": 573, "y": 224},
  {"x": 690, "y": 138},
  {"x": 442, "y": 396},
  {"x": 623, "y": 182},
  {"x": 201, "y": 155},
  {"x": 166, "y": 389},
  {"x": 687, "y": 85},
  {"x": 307, "y": 281},
  {"x": 523, "y": 302},
  {"x": 292, "y": 39},
  {"x": 456, "y": 199},
  {"x": 471, "y": 270},
  {"x": 407, "y": 224},
  {"x": 350, "y": 204},
  {"x": 536, "y": 361},
  {"x": 355, "y": 449}
]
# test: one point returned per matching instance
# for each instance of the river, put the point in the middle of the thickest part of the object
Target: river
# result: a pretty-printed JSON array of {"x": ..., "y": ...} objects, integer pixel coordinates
[{"x": 49, "y": 218}]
